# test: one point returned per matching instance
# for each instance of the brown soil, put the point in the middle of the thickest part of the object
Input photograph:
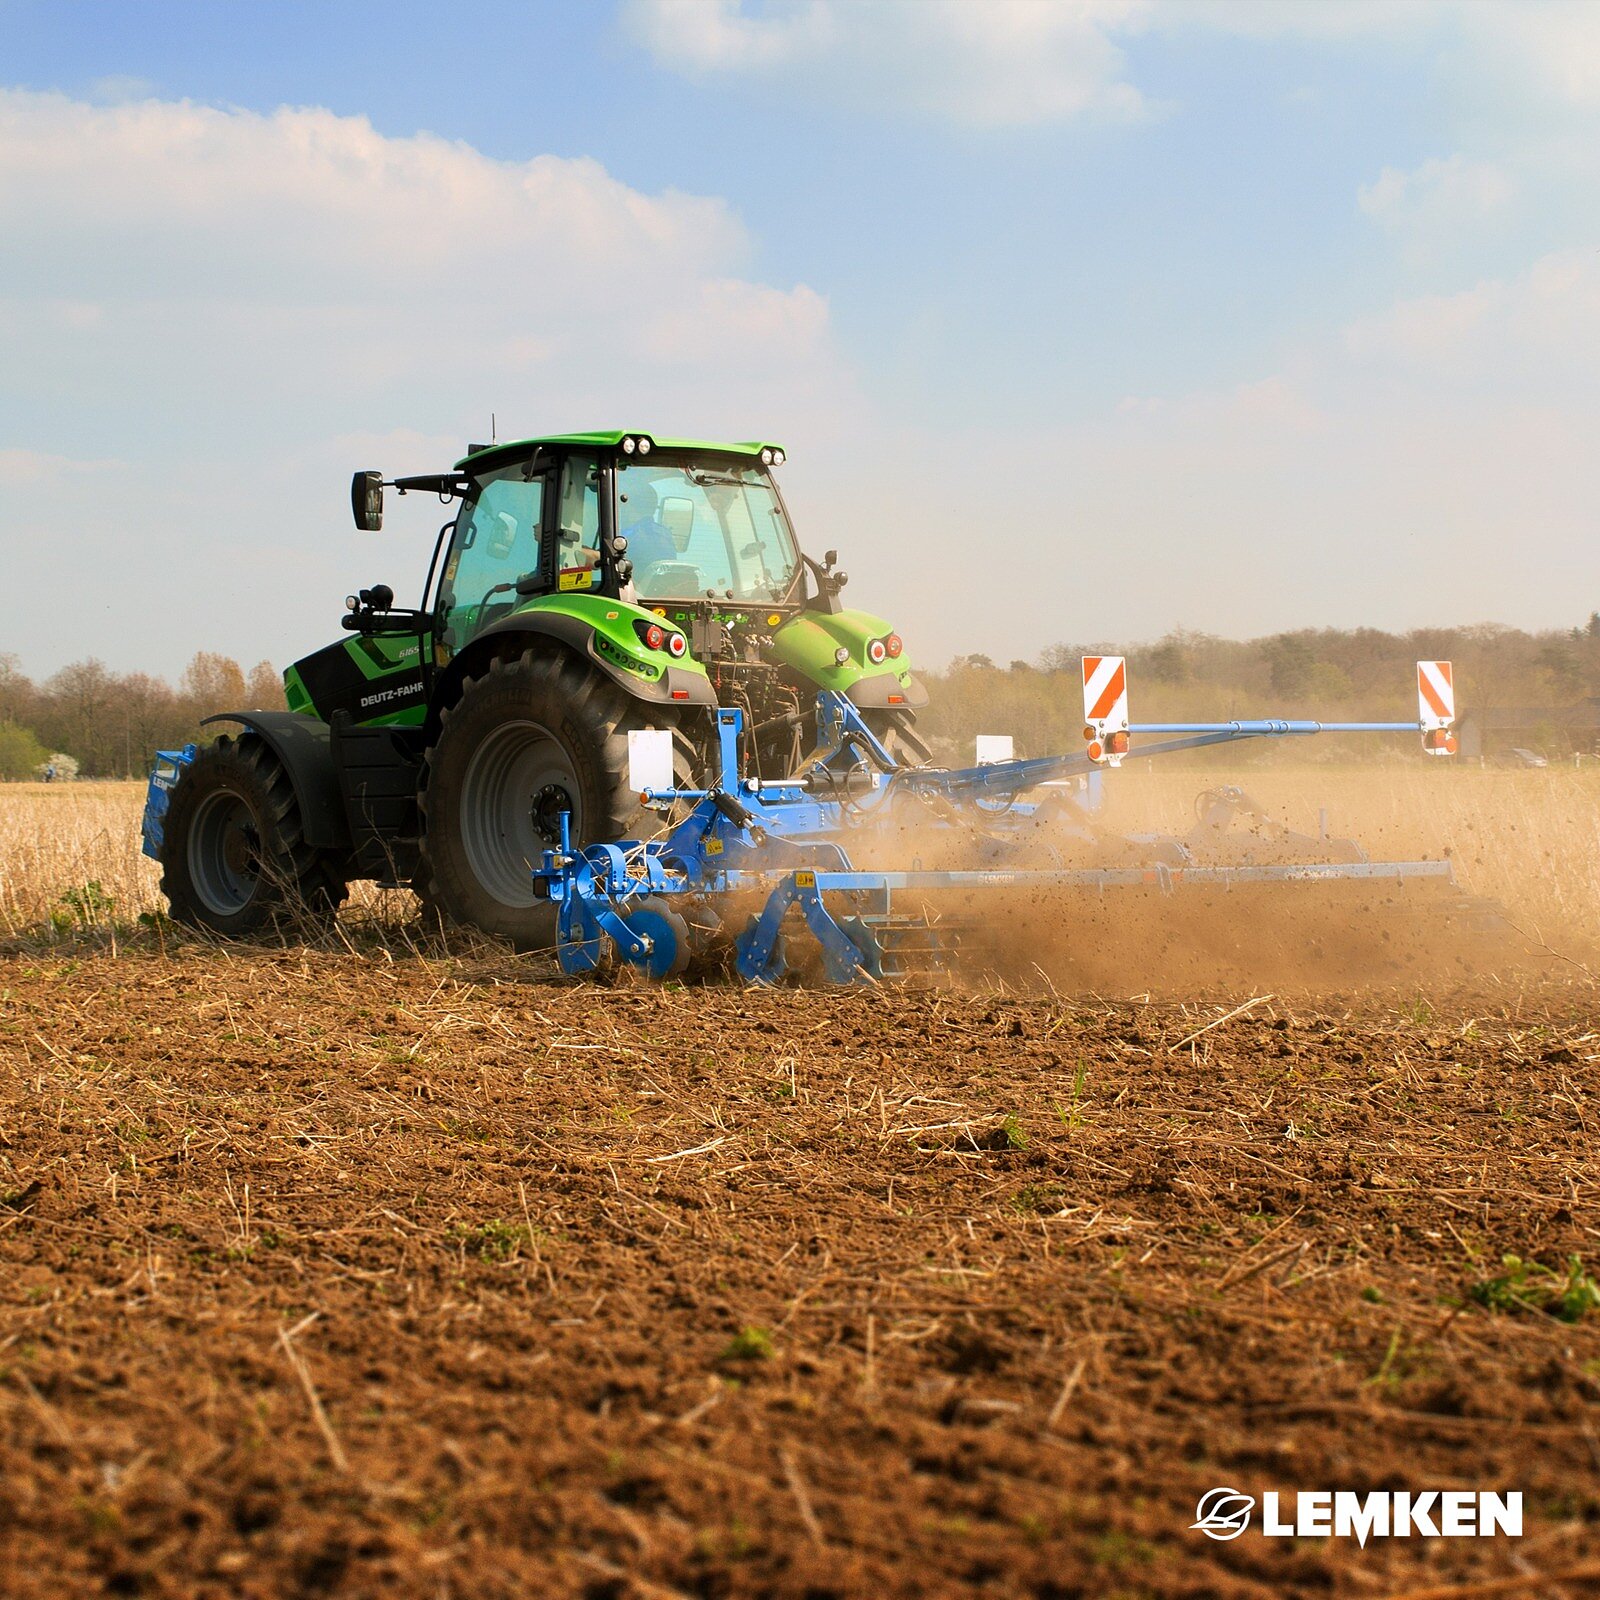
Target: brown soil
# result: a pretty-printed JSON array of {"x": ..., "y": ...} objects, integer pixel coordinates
[{"x": 358, "y": 1275}]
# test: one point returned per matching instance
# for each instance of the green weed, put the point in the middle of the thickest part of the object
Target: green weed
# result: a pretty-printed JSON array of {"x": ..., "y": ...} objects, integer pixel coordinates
[
  {"x": 491, "y": 1241},
  {"x": 85, "y": 906},
  {"x": 1567, "y": 1293},
  {"x": 749, "y": 1344}
]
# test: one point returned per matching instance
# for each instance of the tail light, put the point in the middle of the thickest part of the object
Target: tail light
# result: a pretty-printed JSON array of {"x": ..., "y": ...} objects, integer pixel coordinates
[
  {"x": 1117, "y": 744},
  {"x": 894, "y": 644},
  {"x": 877, "y": 652},
  {"x": 654, "y": 637}
]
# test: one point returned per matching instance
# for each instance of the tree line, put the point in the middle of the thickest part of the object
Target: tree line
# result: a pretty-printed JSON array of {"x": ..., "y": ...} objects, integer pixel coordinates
[
  {"x": 1328, "y": 674},
  {"x": 107, "y": 724}
]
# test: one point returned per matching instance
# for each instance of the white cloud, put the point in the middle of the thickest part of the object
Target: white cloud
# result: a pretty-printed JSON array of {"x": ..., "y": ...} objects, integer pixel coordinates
[
  {"x": 707, "y": 36},
  {"x": 1540, "y": 329},
  {"x": 225, "y": 300},
  {"x": 1436, "y": 202},
  {"x": 1019, "y": 63},
  {"x": 41, "y": 468},
  {"x": 1003, "y": 63}
]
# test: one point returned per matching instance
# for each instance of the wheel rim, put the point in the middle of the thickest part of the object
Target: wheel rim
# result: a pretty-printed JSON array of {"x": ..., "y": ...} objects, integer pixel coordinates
[
  {"x": 225, "y": 854},
  {"x": 518, "y": 782}
]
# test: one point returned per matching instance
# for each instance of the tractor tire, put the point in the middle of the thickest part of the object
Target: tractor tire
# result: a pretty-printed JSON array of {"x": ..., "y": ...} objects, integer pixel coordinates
[
  {"x": 531, "y": 737},
  {"x": 234, "y": 858},
  {"x": 897, "y": 732}
]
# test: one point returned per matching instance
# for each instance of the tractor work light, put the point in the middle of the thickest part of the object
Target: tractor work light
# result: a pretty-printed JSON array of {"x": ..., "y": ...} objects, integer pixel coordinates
[
  {"x": 877, "y": 652},
  {"x": 841, "y": 657},
  {"x": 629, "y": 446},
  {"x": 894, "y": 644},
  {"x": 778, "y": 458},
  {"x": 635, "y": 444},
  {"x": 766, "y": 458}
]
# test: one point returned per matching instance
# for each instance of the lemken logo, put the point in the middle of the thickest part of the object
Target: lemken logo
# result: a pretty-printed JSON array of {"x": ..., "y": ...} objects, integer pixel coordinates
[
  {"x": 1341, "y": 1514},
  {"x": 1223, "y": 1513}
]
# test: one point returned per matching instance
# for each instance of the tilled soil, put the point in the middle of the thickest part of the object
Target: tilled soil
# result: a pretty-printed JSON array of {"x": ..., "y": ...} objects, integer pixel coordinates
[{"x": 375, "y": 1275}]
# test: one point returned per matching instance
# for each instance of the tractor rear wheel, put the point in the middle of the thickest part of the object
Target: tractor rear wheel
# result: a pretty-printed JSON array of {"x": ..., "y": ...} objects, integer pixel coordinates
[
  {"x": 234, "y": 856},
  {"x": 533, "y": 737}
]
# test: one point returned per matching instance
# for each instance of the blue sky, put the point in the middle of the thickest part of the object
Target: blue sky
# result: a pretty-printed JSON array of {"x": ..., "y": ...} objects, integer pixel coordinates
[{"x": 1081, "y": 321}]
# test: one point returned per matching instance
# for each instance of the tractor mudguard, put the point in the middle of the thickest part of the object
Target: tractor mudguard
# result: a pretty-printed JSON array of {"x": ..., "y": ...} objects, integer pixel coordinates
[
  {"x": 568, "y": 624},
  {"x": 811, "y": 644},
  {"x": 303, "y": 744}
]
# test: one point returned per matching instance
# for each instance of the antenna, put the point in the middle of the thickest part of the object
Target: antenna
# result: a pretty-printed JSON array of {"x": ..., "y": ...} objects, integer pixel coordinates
[{"x": 492, "y": 435}]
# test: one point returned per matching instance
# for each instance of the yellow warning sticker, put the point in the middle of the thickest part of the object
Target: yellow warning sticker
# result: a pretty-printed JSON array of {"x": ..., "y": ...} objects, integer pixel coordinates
[
  {"x": 713, "y": 847},
  {"x": 805, "y": 880},
  {"x": 580, "y": 578}
]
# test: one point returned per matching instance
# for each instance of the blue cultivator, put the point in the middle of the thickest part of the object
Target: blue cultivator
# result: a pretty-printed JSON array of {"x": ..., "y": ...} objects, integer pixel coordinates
[{"x": 787, "y": 877}]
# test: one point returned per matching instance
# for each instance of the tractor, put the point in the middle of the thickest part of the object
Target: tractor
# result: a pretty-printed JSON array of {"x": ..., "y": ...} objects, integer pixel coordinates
[{"x": 584, "y": 587}]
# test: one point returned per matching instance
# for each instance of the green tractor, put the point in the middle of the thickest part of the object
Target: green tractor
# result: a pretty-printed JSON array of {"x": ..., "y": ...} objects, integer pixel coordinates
[{"x": 585, "y": 586}]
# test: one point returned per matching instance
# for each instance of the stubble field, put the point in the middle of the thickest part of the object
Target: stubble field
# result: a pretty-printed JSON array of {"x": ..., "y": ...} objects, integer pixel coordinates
[{"x": 375, "y": 1267}]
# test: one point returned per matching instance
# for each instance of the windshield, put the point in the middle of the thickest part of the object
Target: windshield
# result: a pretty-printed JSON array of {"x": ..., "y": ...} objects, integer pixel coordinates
[{"x": 699, "y": 526}]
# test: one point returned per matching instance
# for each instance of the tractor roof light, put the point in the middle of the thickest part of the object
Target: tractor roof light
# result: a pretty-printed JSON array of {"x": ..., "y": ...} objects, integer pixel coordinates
[
  {"x": 629, "y": 445},
  {"x": 644, "y": 446},
  {"x": 766, "y": 458},
  {"x": 778, "y": 458}
]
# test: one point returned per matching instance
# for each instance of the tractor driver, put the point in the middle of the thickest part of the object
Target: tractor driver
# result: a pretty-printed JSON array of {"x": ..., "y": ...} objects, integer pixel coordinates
[{"x": 649, "y": 538}]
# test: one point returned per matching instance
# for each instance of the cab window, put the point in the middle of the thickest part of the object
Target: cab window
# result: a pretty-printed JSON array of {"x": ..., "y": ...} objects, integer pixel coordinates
[{"x": 496, "y": 543}]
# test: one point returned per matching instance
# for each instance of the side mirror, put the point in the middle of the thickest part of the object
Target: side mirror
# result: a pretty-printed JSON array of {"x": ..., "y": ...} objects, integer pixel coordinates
[{"x": 366, "y": 501}]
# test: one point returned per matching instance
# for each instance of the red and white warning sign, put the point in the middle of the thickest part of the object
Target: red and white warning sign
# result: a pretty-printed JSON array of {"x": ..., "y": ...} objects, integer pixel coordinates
[
  {"x": 1436, "y": 706},
  {"x": 1436, "y": 694},
  {"x": 1105, "y": 707},
  {"x": 1105, "y": 693}
]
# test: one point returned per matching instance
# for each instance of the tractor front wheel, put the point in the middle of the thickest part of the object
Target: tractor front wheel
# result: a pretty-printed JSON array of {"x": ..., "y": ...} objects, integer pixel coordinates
[
  {"x": 234, "y": 857},
  {"x": 532, "y": 738}
]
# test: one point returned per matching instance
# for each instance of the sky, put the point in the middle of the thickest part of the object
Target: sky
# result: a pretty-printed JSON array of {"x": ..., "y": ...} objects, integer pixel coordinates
[{"x": 1079, "y": 321}]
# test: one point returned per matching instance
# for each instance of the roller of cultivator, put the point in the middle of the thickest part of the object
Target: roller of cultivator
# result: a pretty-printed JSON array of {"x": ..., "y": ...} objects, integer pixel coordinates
[{"x": 860, "y": 869}]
